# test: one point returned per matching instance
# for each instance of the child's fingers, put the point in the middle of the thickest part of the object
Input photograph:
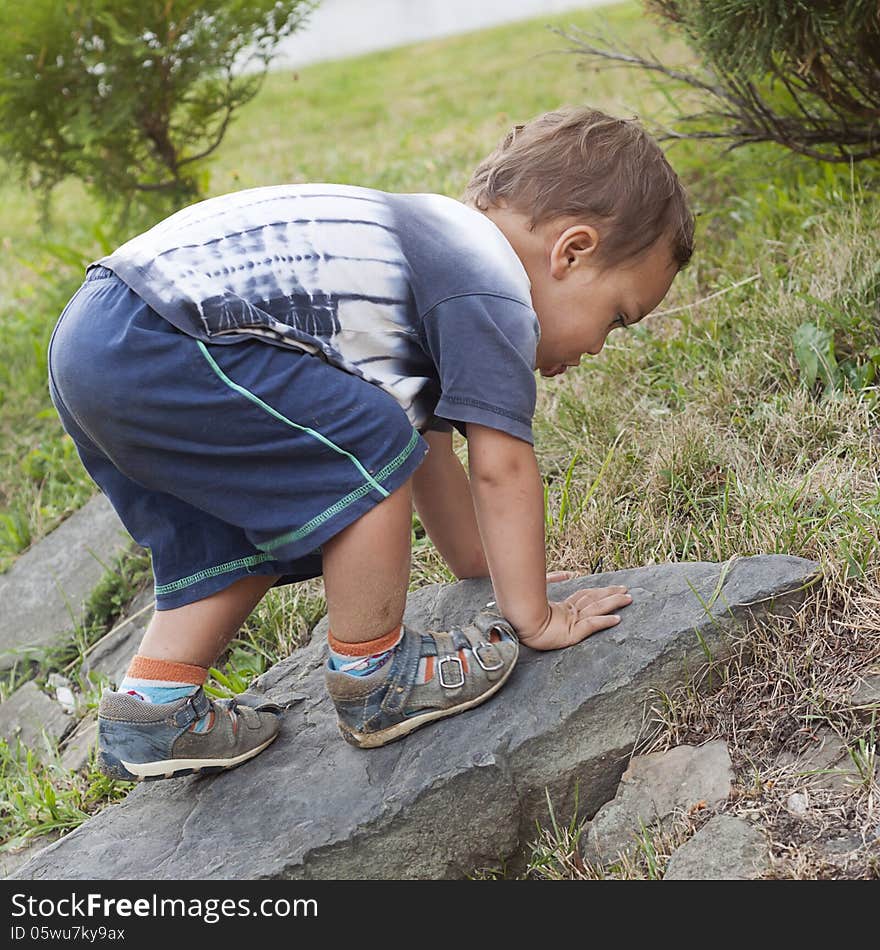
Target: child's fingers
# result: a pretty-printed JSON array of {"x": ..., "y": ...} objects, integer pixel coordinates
[
  {"x": 586, "y": 626},
  {"x": 599, "y": 600},
  {"x": 555, "y": 576}
]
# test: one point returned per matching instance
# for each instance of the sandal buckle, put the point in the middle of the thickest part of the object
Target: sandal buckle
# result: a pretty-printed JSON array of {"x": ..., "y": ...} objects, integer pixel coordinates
[
  {"x": 456, "y": 661},
  {"x": 488, "y": 668}
]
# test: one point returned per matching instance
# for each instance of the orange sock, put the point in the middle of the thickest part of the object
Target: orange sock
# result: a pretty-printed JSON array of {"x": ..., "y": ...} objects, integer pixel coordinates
[
  {"x": 161, "y": 681},
  {"x": 360, "y": 659}
]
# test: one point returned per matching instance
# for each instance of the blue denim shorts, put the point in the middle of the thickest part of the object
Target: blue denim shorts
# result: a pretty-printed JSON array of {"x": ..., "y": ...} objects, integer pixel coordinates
[{"x": 223, "y": 459}]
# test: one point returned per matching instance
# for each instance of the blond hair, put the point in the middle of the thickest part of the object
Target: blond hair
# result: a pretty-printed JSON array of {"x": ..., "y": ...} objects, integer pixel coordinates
[{"x": 583, "y": 162}]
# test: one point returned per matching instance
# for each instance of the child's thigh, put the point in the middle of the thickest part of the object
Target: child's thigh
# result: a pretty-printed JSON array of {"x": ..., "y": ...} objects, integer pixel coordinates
[{"x": 273, "y": 441}]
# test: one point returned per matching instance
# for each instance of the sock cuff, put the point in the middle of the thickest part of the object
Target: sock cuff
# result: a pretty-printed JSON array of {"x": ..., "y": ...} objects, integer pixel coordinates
[
  {"x": 147, "y": 668},
  {"x": 368, "y": 647}
]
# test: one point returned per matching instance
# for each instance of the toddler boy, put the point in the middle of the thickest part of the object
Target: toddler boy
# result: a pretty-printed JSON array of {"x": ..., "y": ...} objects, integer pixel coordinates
[{"x": 265, "y": 383}]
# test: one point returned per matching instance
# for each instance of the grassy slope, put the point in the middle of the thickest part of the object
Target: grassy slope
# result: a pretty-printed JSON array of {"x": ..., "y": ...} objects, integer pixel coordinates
[
  {"x": 691, "y": 437},
  {"x": 413, "y": 119}
]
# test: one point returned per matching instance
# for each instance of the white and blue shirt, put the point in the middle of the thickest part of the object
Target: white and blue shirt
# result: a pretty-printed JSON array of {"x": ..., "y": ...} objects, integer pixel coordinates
[{"x": 416, "y": 293}]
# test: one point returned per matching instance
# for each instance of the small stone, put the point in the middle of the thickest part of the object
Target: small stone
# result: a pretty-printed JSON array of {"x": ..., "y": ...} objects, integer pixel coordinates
[
  {"x": 656, "y": 786},
  {"x": 865, "y": 699},
  {"x": 798, "y": 803},
  {"x": 844, "y": 844},
  {"x": 824, "y": 764},
  {"x": 64, "y": 693}
]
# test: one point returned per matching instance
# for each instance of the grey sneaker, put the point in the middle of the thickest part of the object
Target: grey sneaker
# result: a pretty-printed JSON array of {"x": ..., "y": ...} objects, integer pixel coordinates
[
  {"x": 387, "y": 704},
  {"x": 143, "y": 741}
]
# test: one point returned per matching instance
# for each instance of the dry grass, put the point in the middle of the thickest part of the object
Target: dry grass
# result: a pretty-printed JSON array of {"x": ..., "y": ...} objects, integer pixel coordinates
[{"x": 788, "y": 677}]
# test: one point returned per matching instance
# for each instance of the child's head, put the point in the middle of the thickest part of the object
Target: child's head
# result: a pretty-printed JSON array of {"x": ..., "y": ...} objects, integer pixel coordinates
[{"x": 598, "y": 217}]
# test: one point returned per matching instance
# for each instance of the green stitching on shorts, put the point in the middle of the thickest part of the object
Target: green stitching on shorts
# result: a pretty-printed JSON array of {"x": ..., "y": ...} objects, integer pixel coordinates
[
  {"x": 307, "y": 528},
  {"x": 343, "y": 503},
  {"x": 274, "y": 412},
  {"x": 295, "y": 535},
  {"x": 212, "y": 572}
]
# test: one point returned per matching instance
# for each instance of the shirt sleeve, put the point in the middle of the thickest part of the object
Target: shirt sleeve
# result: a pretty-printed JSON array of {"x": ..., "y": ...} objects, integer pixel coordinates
[
  {"x": 436, "y": 424},
  {"x": 483, "y": 346}
]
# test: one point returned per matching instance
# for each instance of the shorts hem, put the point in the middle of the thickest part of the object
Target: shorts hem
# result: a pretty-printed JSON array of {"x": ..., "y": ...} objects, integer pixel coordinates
[
  {"x": 299, "y": 558},
  {"x": 289, "y": 573}
]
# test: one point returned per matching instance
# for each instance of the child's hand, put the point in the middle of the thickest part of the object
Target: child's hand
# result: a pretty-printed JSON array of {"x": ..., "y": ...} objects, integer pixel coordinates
[
  {"x": 554, "y": 577},
  {"x": 577, "y": 617}
]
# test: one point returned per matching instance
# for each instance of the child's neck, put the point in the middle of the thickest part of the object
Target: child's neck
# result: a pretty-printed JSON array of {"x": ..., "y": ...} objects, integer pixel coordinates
[{"x": 530, "y": 246}]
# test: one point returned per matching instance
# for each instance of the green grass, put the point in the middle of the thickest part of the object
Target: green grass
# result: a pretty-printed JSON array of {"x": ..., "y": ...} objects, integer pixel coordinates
[
  {"x": 742, "y": 424},
  {"x": 413, "y": 119}
]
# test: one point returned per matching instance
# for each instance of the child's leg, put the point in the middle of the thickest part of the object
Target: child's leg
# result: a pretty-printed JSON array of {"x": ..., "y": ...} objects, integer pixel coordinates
[
  {"x": 178, "y": 729},
  {"x": 198, "y": 633},
  {"x": 366, "y": 570},
  {"x": 385, "y": 679},
  {"x": 182, "y": 643}
]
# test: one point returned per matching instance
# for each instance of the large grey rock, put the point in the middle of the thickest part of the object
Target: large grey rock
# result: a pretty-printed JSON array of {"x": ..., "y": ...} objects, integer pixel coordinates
[
  {"x": 12, "y": 858},
  {"x": 458, "y": 794},
  {"x": 657, "y": 786},
  {"x": 726, "y": 848},
  {"x": 112, "y": 655},
  {"x": 29, "y": 712},
  {"x": 78, "y": 744},
  {"x": 44, "y": 591}
]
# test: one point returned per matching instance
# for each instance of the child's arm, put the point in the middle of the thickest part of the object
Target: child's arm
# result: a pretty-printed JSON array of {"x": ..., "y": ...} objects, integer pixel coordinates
[
  {"x": 442, "y": 496},
  {"x": 509, "y": 502}
]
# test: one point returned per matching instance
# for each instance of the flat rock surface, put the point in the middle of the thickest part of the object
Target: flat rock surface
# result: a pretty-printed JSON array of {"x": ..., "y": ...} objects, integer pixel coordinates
[
  {"x": 726, "y": 848},
  {"x": 656, "y": 786},
  {"x": 78, "y": 745},
  {"x": 457, "y": 794},
  {"x": 44, "y": 591},
  {"x": 27, "y": 713},
  {"x": 13, "y": 858}
]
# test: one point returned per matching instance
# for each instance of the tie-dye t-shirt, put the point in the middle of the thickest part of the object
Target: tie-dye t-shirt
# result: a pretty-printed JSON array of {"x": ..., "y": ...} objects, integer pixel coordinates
[{"x": 415, "y": 293}]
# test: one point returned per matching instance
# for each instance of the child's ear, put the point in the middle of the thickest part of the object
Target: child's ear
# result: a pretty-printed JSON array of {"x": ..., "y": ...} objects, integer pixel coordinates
[{"x": 576, "y": 245}]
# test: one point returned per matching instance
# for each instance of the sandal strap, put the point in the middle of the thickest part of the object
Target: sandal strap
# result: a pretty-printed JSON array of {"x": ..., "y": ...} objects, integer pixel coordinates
[
  {"x": 485, "y": 652},
  {"x": 406, "y": 667},
  {"x": 194, "y": 708},
  {"x": 486, "y": 623},
  {"x": 450, "y": 670}
]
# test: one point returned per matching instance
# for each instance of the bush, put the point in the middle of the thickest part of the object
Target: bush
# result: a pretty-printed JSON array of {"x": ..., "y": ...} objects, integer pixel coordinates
[
  {"x": 802, "y": 74},
  {"x": 131, "y": 96}
]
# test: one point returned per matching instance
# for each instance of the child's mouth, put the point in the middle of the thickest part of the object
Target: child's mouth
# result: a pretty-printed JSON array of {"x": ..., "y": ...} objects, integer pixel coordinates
[{"x": 556, "y": 370}]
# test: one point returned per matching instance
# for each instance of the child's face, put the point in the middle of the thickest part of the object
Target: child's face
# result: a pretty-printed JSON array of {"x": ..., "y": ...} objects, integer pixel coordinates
[{"x": 578, "y": 302}]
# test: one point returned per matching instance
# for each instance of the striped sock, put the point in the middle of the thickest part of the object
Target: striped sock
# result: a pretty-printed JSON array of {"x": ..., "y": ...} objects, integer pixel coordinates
[
  {"x": 163, "y": 681},
  {"x": 361, "y": 659}
]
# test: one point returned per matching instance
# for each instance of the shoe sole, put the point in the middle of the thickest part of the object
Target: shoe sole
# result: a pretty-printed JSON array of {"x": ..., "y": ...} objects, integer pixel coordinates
[
  {"x": 176, "y": 768},
  {"x": 372, "y": 740}
]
